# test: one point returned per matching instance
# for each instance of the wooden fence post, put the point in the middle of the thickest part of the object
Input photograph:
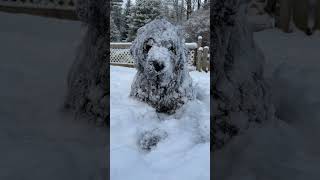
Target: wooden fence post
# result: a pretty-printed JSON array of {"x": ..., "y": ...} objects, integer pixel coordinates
[
  {"x": 205, "y": 63},
  {"x": 199, "y": 59},
  {"x": 199, "y": 44},
  {"x": 199, "y": 41}
]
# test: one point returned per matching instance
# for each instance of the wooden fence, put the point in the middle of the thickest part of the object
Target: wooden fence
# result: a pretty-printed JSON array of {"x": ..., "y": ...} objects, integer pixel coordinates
[{"x": 198, "y": 57}]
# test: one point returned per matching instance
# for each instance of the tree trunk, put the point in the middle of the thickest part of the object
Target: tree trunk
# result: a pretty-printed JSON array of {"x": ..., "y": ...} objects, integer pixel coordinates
[
  {"x": 189, "y": 6},
  {"x": 285, "y": 14},
  {"x": 199, "y": 4},
  {"x": 176, "y": 7}
]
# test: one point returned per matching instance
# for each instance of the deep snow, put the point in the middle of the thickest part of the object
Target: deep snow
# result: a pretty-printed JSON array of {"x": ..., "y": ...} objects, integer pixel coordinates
[{"x": 184, "y": 154}]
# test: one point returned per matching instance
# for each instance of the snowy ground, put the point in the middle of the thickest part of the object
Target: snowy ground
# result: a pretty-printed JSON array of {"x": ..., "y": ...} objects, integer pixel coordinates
[
  {"x": 184, "y": 154},
  {"x": 287, "y": 148},
  {"x": 37, "y": 141}
]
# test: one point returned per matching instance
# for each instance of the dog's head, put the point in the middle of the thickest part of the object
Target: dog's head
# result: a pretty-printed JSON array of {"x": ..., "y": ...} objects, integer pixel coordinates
[{"x": 159, "y": 49}]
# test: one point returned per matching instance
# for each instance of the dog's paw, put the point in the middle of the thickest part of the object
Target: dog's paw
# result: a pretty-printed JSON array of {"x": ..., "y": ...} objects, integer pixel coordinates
[{"x": 148, "y": 140}]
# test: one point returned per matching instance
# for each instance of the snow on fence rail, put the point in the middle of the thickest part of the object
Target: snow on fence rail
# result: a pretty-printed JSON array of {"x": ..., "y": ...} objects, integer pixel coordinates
[{"x": 197, "y": 56}]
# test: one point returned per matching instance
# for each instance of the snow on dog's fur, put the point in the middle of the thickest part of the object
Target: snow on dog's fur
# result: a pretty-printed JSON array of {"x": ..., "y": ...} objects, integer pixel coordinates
[{"x": 162, "y": 78}]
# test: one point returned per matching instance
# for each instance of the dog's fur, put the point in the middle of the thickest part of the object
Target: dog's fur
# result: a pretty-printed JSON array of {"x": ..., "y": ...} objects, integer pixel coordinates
[{"x": 160, "y": 57}]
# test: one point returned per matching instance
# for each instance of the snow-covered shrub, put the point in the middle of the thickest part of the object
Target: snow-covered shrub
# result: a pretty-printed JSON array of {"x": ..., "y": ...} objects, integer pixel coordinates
[
  {"x": 162, "y": 79},
  {"x": 240, "y": 95},
  {"x": 88, "y": 90}
]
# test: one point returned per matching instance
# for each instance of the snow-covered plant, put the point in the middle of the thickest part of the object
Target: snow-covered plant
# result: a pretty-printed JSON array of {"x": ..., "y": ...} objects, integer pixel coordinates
[
  {"x": 126, "y": 20},
  {"x": 240, "y": 95},
  {"x": 162, "y": 79},
  {"x": 88, "y": 90}
]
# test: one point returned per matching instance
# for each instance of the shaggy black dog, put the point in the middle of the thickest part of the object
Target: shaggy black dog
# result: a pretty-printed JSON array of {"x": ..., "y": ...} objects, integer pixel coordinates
[{"x": 162, "y": 80}]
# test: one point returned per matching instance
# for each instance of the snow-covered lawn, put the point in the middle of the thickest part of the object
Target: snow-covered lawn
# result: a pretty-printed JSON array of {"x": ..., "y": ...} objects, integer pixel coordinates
[{"x": 184, "y": 154}]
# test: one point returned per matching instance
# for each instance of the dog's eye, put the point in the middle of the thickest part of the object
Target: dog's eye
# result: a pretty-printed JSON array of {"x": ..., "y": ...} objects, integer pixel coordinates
[{"x": 172, "y": 49}]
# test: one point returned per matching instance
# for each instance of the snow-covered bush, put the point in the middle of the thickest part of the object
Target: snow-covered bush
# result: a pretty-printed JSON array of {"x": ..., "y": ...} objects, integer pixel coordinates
[
  {"x": 240, "y": 95},
  {"x": 88, "y": 90},
  {"x": 162, "y": 80}
]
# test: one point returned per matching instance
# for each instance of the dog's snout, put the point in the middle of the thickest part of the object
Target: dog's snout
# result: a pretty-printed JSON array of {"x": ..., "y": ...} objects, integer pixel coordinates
[{"x": 158, "y": 66}]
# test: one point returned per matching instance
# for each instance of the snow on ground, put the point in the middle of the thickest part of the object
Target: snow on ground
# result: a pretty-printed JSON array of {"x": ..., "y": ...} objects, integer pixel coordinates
[
  {"x": 286, "y": 148},
  {"x": 37, "y": 140},
  {"x": 184, "y": 154}
]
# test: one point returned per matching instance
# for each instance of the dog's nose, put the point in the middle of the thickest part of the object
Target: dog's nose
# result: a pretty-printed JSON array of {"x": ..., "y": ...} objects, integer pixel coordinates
[{"x": 158, "y": 66}]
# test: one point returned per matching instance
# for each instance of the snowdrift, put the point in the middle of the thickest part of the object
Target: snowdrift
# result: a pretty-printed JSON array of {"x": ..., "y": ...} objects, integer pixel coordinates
[{"x": 185, "y": 151}]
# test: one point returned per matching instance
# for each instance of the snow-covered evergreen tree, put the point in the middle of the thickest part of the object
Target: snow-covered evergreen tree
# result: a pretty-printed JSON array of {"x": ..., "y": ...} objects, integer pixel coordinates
[
  {"x": 116, "y": 13},
  {"x": 114, "y": 32},
  {"x": 126, "y": 20},
  {"x": 143, "y": 12}
]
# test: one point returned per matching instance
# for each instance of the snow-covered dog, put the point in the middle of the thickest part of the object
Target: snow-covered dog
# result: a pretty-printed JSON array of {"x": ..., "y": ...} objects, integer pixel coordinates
[{"x": 162, "y": 78}]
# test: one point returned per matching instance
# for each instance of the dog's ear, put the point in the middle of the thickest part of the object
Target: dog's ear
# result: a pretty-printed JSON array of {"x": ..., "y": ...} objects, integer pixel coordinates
[
  {"x": 134, "y": 52},
  {"x": 141, "y": 30}
]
